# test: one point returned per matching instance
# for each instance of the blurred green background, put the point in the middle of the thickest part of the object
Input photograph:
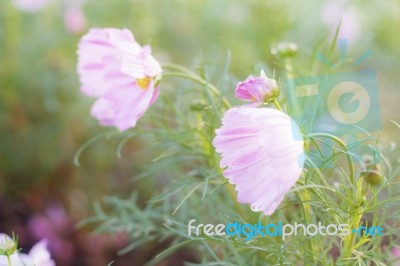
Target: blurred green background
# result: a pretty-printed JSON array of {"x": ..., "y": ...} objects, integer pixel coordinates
[{"x": 44, "y": 119}]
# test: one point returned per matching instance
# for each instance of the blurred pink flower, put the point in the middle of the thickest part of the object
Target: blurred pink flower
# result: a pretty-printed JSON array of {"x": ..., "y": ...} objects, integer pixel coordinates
[
  {"x": 262, "y": 156},
  {"x": 31, "y": 6},
  {"x": 257, "y": 89},
  {"x": 55, "y": 226},
  {"x": 336, "y": 11},
  {"x": 74, "y": 19},
  {"x": 395, "y": 251},
  {"x": 122, "y": 74}
]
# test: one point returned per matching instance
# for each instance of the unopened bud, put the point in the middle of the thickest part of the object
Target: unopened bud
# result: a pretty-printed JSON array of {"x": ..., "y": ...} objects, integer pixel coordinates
[
  {"x": 257, "y": 89},
  {"x": 373, "y": 175},
  {"x": 285, "y": 49},
  {"x": 8, "y": 245}
]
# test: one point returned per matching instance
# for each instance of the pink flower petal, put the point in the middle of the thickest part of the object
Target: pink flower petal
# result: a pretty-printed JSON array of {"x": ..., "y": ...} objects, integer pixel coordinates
[{"x": 261, "y": 155}]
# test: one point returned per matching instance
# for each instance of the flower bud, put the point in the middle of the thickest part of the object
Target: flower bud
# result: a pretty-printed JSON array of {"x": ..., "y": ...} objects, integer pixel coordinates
[
  {"x": 373, "y": 174},
  {"x": 257, "y": 89},
  {"x": 372, "y": 177},
  {"x": 285, "y": 49},
  {"x": 199, "y": 106},
  {"x": 8, "y": 245}
]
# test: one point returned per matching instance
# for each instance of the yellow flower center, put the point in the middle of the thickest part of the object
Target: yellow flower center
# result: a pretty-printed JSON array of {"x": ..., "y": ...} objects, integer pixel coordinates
[{"x": 143, "y": 83}]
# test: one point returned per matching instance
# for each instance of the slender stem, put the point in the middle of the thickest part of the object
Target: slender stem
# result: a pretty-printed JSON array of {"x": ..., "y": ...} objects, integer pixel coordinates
[
  {"x": 277, "y": 105},
  {"x": 288, "y": 68},
  {"x": 8, "y": 260},
  {"x": 194, "y": 78},
  {"x": 342, "y": 145},
  {"x": 349, "y": 240},
  {"x": 188, "y": 74},
  {"x": 177, "y": 68}
]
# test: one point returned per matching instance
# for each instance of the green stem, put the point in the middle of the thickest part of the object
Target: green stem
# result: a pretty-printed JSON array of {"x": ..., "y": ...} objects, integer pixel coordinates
[
  {"x": 288, "y": 68},
  {"x": 8, "y": 260},
  {"x": 349, "y": 240},
  {"x": 277, "y": 105},
  {"x": 183, "y": 72},
  {"x": 342, "y": 145},
  {"x": 177, "y": 68}
]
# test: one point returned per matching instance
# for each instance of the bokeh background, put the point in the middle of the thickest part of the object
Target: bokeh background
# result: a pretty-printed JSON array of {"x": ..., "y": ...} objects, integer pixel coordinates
[{"x": 44, "y": 119}]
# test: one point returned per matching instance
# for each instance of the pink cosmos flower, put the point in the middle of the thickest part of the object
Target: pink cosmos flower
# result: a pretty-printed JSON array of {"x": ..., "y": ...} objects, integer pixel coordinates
[
  {"x": 31, "y": 6},
  {"x": 261, "y": 155},
  {"x": 257, "y": 89},
  {"x": 74, "y": 19},
  {"x": 122, "y": 75}
]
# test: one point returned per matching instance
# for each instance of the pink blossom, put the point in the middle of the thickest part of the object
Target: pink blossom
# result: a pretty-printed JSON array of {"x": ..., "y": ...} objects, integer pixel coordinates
[
  {"x": 122, "y": 75},
  {"x": 31, "y": 6},
  {"x": 257, "y": 89},
  {"x": 395, "y": 252},
  {"x": 261, "y": 155},
  {"x": 74, "y": 18}
]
